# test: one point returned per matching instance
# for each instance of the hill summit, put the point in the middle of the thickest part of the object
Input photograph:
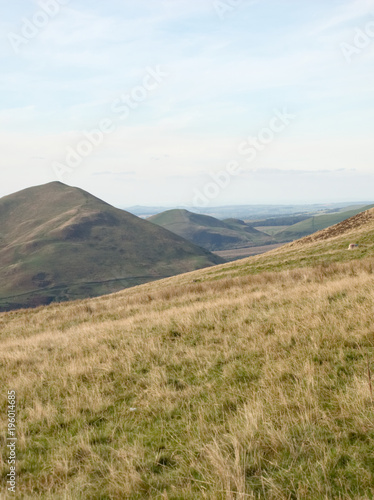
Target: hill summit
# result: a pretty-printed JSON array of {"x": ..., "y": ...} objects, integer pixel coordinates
[
  {"x": 210, "y": 233},
  {"x": 59, "y": 243}
]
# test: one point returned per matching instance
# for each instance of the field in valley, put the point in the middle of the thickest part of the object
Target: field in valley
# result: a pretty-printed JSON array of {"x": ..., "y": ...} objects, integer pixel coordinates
[
  {"x": 242, "y": 253},
  {"x": 249, "y": 380}
]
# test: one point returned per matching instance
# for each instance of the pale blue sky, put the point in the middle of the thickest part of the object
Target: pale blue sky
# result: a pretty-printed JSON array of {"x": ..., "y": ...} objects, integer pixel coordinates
[{"x": 226, "y": 71}]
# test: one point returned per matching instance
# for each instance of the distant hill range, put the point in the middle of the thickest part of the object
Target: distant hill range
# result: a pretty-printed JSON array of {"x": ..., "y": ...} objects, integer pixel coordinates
[
  {"x": 61, "y": 243},
  {"x": 234, "y": 234},
  {"x": 251, "y": 212}
]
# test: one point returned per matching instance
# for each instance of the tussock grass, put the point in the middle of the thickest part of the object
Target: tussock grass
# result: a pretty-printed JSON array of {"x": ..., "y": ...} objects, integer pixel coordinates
[{"x": 253, "y": 385}]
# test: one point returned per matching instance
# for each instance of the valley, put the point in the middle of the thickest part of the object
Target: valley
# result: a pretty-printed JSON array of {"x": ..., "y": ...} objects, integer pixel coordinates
[{"x": 244, "y": 380}]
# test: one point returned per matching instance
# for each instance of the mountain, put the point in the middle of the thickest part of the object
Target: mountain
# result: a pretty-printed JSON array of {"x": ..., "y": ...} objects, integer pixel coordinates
[
  {"x": 209, "y": 232},
  {"x": 251, "y": 379},
  {"x": 59, "y": 242}
]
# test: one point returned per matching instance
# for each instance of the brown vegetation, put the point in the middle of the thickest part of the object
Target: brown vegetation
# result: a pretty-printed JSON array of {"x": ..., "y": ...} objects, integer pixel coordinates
[{"x": 247, "y": 380}]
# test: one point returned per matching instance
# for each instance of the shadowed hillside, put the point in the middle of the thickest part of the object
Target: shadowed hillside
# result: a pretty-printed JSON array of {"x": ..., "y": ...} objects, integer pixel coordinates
[
  {"x": 209, "y": 232},
  {"x": 246, "y": 380},
  {"x": 59, "y": 242}
]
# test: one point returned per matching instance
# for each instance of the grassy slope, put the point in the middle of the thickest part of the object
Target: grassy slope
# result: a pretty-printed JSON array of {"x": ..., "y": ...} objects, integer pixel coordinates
[
  {"x": 66, "y": 243},
  {"x": 209, "y": 232},
  {"x": 317, "y": 223},
  {"x": 247, "y": 380}
]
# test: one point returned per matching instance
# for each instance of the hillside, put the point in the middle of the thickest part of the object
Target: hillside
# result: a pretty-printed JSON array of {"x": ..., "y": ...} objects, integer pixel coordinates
[
  {"x": 58, "y": 242},
  {"x": 209, "y": 232},
  {"x": 246, "y": 380},
  {"x": 313, "y": 224},
  {"x": 233, "y": 238}
]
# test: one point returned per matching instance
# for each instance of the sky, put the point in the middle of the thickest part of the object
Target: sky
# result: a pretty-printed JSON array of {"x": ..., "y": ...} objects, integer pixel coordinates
[{"x": 189, "y": 102}]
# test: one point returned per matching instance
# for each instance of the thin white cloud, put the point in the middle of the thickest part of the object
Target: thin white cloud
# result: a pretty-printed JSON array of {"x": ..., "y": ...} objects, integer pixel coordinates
[
  {"x": 348, "y": 12},
  {"x": 225, "y": 79}
]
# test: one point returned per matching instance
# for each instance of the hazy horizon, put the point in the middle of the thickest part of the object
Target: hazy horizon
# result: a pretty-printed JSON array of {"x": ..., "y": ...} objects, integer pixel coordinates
[{"x": 210, "y": 207}]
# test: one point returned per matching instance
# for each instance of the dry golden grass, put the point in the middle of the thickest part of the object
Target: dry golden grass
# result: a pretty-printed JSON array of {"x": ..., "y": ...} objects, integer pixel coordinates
[
  {"x": 245, "y": 387},
  {"x": 228, "y": 383}
]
